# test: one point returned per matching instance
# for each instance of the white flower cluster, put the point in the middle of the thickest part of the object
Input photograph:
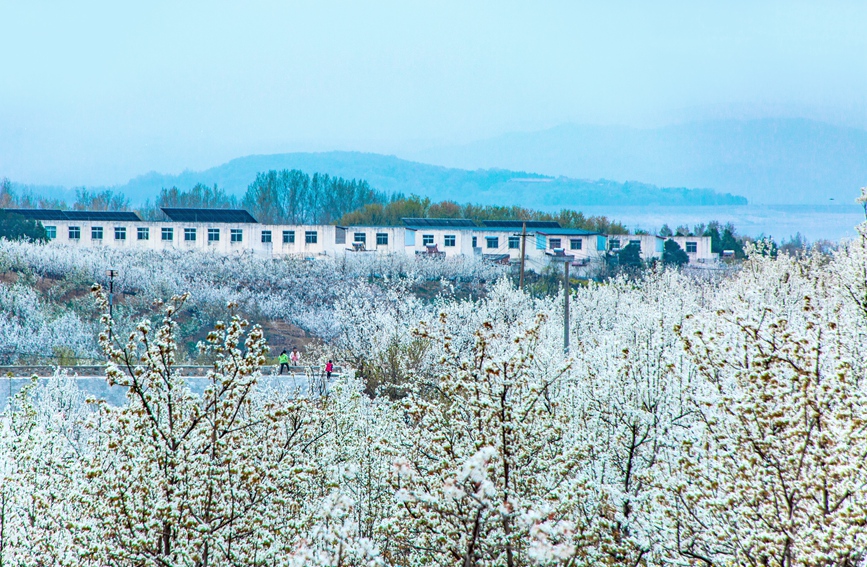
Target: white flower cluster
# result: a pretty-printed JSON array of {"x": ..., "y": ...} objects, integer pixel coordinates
[
  {"x": 294, "y": 290},
  {"x": 31, "y": 327},
  {"x": 691, "y": 423}
]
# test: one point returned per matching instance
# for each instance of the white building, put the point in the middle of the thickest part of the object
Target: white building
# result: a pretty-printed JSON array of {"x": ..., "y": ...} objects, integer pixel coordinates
[
  {"x": 228, "y": 231},
  {"x": 651, "y": 246},
  {"x": 449, "y": 237},
  {"x": 698, "y": 248}
]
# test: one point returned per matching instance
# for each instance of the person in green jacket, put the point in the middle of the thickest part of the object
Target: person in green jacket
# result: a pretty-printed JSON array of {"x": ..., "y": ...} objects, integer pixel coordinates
[{"x": 283, "y": 359}]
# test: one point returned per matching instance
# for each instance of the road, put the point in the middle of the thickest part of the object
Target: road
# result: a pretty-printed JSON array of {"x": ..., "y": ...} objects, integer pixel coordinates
[{"x": 97, "y": 387}]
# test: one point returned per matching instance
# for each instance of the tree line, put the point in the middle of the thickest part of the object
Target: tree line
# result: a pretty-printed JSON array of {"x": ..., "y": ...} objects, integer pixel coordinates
[
  {"x": 400, "y": 207},
  {"x": 295, "y": 197}
]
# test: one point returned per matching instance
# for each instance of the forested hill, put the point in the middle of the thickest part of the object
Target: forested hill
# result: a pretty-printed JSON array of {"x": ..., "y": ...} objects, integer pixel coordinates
[
  {"x": 393, "y": 175},
  {"x": 772, "y": 160}
]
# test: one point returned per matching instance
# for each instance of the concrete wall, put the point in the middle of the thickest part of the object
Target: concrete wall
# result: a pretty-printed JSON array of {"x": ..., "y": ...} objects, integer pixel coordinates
[
  {"x": 702, "y": 253},
  {"x": 330, "y": 240},
  {"x": 463, "y": 240},
  {"x": 225, "y": 238}
]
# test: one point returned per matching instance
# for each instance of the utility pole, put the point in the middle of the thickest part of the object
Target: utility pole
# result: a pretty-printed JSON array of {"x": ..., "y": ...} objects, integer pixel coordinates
[
  {"x": 111, "y": 274},
  {"x": 560, "y": 256},
  {"x": 566, "y": 307},
  {"x": 523, "y": 250}
]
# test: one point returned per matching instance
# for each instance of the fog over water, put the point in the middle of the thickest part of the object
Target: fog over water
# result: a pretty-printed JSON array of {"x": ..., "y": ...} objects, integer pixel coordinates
[{"x": 815, "y": 222}]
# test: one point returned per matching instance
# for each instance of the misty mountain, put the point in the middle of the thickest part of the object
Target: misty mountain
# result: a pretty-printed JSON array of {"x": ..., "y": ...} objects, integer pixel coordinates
[
  {"x": 769, "y": 160},
  {"x": 393, "y": 175}
]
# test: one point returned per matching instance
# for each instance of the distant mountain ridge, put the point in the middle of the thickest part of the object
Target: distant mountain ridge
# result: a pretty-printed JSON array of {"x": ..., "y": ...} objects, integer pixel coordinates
[
  {"x": 394, "y": 175},
  {"x": 774, "y": 160}
]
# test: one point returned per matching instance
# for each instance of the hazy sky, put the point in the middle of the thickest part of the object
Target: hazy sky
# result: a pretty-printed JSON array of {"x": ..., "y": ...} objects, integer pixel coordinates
[{"x": 95, "y": 93}]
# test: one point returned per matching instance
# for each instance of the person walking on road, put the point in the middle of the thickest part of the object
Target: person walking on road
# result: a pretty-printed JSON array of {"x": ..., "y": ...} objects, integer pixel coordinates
[
  {"x": 283, "y": 359},
  {"x": 329, "y": 368}
]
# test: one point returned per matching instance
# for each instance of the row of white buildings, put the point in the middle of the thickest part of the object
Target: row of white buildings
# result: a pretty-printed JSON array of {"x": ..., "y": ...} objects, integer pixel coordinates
[{"x": 231, "y": 231}]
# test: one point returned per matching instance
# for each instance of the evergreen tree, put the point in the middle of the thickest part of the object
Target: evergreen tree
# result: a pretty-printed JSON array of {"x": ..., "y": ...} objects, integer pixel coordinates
[
  {"x": 715, "y": 237},
  {"x": 16, "y": 227},
  {"x": 673, "y": 254},
  {"x": 630, "y": 256},
  {"x": 728, "y": 241}
]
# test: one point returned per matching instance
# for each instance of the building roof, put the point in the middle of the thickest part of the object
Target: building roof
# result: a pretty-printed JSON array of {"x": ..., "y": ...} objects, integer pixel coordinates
[
  {"x": 497, "y": 258},
  {"x": 567, "y": 232},
  {"x": 58, "y": 215},
  {"x": 520, "y": 224},
  {"x": 438, "y": 223},
  {"x": 233, "y": 216}
]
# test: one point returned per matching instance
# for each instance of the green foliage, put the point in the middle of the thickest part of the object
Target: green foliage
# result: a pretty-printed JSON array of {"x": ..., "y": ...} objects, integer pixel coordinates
[
  {"x": 766, "y": 246},
  {"x": 547, "y": 282},
  {"x": 795, "y": 245},
  {"x": 390, "y": 214},
  {"x": 713, "y": 230},
  {"x": 728, "y": 241},
  {"x": 722, "y": 238},
  {"x": 16, "y": 227},
  {"x": 64, "y": 356},
  {"x": 630, "y": 256},
  {"x": 673, "y": 254}
]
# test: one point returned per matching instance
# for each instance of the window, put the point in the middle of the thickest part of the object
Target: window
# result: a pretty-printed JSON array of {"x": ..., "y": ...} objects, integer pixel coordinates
[
  {"x": 382, "y": 239},
  {"x": 236, "y": 235},
  {"x": 310, "y": 237},
  {"x": 96, "y": 232},
  {"x": 190, "y": 234},
  {"x": 514, "y": 242},
  {"x": 359, "y": 237},
  {"x": 120, "y": 233},
  {"x": 576, "y": 244},
  {"x": 614, "y": 243},
  {"x": 74, "y": 232},
  {"x": 144, "y": 233},
  {"x": 266, "y": 236},
  {"x": 427, "y": 239},
  {"x": 168, "y": 234},
  {"x": 554, "y": 243},
  {"x": 213, "y": 235},
  {"x": 475, "y": 243},
  {"x": 492, "y": 242},
  {"x": 288, "y": 237},
  {"x": 691, "y": 247},
  {"x": 449, "y": 240},
  {"x": 51, "y": 232},
  {"x": 636, "y": 242}
]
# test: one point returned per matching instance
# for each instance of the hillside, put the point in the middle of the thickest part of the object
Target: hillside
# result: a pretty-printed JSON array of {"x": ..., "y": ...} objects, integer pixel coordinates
[
  {"x": 791, "y": 161},
  {"x": 394, "y": 175}
]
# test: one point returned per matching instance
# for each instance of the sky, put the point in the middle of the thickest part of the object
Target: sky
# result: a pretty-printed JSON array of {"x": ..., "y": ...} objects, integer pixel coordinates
[{"x": 94, "y": 93}]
